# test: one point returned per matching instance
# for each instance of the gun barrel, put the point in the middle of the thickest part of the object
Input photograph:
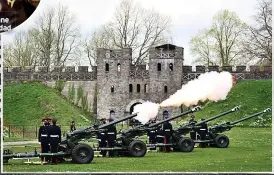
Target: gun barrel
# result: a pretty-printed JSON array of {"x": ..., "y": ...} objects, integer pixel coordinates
[
  {"x": 118, "y": 121},
  {"x": 251, "y": 116},
  {"x": 197, "y": 108},
  {"x": 218, "y": 116}
]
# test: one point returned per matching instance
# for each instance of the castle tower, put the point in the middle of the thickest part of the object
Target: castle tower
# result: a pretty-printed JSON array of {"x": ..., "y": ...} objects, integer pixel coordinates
[
  {"x": 165, "y": 74},
  {"x": 112, "y": 81}
]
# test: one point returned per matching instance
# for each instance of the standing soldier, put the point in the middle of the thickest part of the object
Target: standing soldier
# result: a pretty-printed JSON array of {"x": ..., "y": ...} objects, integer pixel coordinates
[
  {"x": 167, "y": 129},
  {"x": 72, "y": 126},
  {"x": 111, "y": 137},
  {"x": 152, "y": 135},
  {"x": 202, "y": 133},
  {"x": 43, "y": 138},
  {"x": 102, "y": 138},
  {"x": 192, "y": 122},
  {"x": 55, "y": 139}
]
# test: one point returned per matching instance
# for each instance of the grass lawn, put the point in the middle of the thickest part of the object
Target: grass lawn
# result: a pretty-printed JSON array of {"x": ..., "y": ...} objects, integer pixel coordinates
[
  {"x": 29, "y": 103},
  {"x": 249, "y": 151}
]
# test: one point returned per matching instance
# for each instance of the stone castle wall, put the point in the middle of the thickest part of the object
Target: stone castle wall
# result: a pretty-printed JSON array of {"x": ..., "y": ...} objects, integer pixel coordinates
[{"x": 120, "y": 85}]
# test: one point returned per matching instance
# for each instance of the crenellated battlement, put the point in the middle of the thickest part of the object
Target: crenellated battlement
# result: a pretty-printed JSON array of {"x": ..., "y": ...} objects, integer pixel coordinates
[
  {"x": 85, "y": 73},
  {"x": 166, "y": 51},
  {"x": 240, "y": 72},
  {"x": 44, "y": 69},
  {"x": 231, "y": 69},
  {"x": 69, "y": 73},
  {"x": 125, "y": 53}
]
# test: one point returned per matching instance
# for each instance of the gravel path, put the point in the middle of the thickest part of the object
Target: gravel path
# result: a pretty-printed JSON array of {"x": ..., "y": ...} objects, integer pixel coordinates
[{"x": 20, "y": 142}]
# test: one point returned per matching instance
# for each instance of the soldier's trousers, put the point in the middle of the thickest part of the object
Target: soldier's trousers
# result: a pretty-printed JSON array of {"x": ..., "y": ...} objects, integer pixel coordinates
[
  {"x": 54, "y": 149},
  {"x": 167, "y": 140},
  {"x": 103, "y": 144},
  {"x": 111, "y": 143},
  {"x": 45, "y": 148}
]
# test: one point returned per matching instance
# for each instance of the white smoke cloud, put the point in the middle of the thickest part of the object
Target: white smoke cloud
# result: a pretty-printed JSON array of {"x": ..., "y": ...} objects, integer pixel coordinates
[
  {"x": 146, "y": 111},
  {"x": 211, "y": 85}
]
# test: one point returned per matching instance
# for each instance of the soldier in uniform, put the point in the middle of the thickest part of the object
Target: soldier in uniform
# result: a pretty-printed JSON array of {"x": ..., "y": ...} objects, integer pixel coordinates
[
  {"x": 111, "y": 136},
  {"x": 55, "y": 139},
  {"x": 192, "y": 122},
  {"x": 202, "y": 133},
  {"x": 72, "y": 126},
  {"x": 152, "y": 134},
  {"x": 102, "y": 138},
  {"x": 167, "y": 130},
  {"x": 43, "y": 138}
]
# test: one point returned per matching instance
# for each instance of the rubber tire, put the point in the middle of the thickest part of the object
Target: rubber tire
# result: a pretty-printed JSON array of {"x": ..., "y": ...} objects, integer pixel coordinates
[
  {"x": 132, "y": 148},
  {"x": 186, "y": 148},
  {"x": 76, "y": 151},
  {"x": 220, "y": 138}
]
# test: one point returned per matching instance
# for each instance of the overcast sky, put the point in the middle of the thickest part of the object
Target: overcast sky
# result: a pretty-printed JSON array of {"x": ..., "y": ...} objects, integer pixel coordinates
[{"x": 188, "y": 16}]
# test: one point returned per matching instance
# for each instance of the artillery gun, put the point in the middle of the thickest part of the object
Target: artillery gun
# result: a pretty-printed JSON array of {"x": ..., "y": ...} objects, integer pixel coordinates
[
  {"x": 222, "y": 141},
  {"x": 128, "y": 137},
  {"x": 70, "y": 147},
  {"x": 198, "y": 130}
]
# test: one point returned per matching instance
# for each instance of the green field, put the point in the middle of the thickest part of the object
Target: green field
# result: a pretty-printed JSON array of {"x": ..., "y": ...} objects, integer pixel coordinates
[
  {"x": 249, "y": 151},
  {"x": 29, "y": 103},
  {"x": 251, "y": 95}
]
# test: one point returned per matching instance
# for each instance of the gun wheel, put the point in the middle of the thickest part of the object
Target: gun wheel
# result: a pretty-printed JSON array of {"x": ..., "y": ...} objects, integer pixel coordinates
[
  {"x": 137, "y": 148},
  {"x": 82, "y": 154},
  {"x": 221, "y": 141},
  {"x": 186, "y": 144}
]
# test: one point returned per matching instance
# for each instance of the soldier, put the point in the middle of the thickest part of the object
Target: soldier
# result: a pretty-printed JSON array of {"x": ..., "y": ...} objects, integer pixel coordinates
[
  {"x": 167, "y": 130},
  {"x": 55, "y": 139},
  {"x": 102, "y": 138},
  {"x": 72, "y": 126},
  {"x": 192, "y": 122},
  {"x": 152, "y": 134},
  {"x": 111, "y": 137},
  {"x": 202, "y": 133},
  {"x": 43, "y": 138}
]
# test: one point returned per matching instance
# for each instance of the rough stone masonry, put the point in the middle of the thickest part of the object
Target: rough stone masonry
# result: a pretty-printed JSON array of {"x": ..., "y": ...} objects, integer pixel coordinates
[{"x": 115, "y": 86}]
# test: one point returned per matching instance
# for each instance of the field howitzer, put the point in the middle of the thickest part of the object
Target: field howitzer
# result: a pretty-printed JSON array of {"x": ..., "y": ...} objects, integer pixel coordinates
[
  {"x": 198, "y": 130},
  {"x": 222, "y": 141},
  {"x": 70, "y": 147},
  {"x": 130, "y": 135}
]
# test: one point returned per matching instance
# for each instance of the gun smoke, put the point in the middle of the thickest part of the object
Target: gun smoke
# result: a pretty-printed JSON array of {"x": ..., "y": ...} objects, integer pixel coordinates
[
  {"x": 146, "y": 111},
  {"x": 209, "y": 86},
  {"x": 212, "y": 86}
]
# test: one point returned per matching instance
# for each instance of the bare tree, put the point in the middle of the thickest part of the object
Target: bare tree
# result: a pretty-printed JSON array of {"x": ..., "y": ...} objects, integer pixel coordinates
[
  {"x": 134, "y": 27},
  {"x": 98, "y": 39},
  {"x": 57, "y": 36},
  {"x": 221, "y": 44},
  {"x": 258, "y": 43},
  {"x": 21, "y": 52}
]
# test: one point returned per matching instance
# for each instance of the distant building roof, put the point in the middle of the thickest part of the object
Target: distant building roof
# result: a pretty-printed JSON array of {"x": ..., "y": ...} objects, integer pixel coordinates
[{"x": 166, "y": 46}]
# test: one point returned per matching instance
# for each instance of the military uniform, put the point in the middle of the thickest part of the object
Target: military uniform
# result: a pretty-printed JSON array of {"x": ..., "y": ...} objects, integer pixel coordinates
[
  {"x": 111, "y": 137},
  {"x": 55, "y": 140},
  {"x": 72, "y": 126},
  {"x": 43, "y": 138},
  {"x": 202, "y": 132},
  {"x": 152, "y": 135},
  {"x": 102, "y": 139},
  {"x": 167, "y": 130},
  {"x": 192, "y": 122}
]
